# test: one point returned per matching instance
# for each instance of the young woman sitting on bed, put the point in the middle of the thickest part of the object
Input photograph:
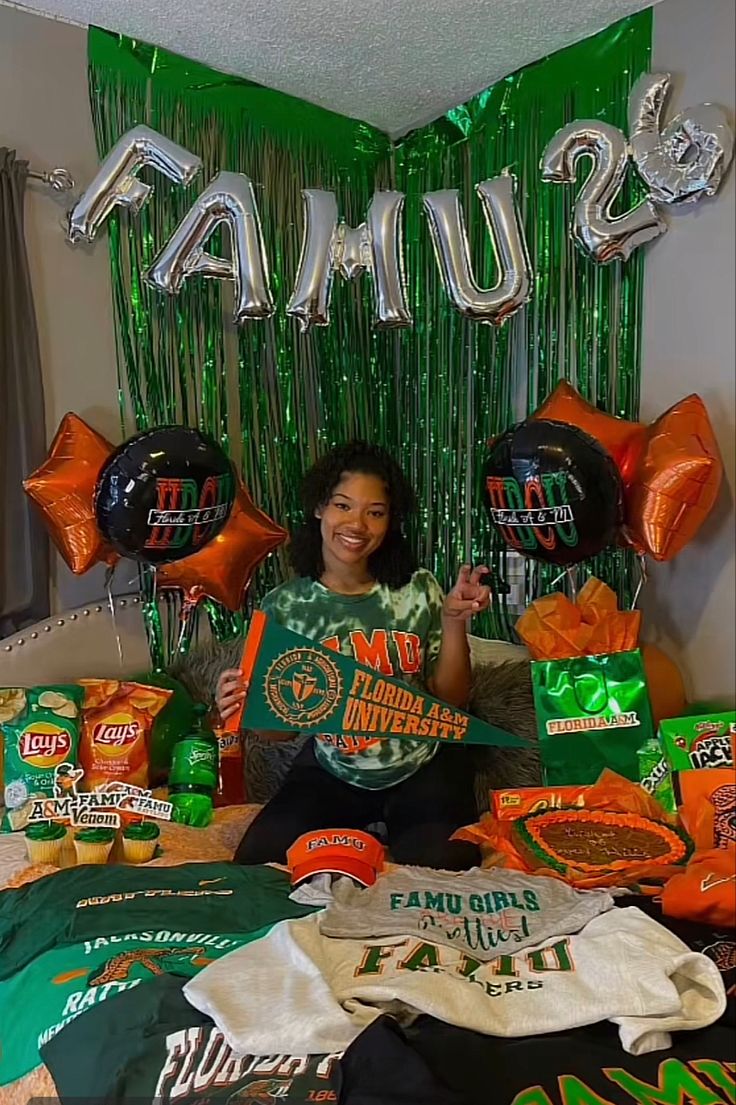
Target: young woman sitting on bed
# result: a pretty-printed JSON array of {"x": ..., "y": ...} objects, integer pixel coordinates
[{"x": 357, "y": 589}]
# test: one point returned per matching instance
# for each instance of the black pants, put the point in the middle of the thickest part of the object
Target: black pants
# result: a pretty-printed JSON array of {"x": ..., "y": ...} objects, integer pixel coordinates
[{"x": 420, "y": 814}]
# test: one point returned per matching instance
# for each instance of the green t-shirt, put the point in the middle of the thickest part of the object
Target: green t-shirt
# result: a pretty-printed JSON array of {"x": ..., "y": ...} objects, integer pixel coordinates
[
  {"x": 89, "y": 934},
  {"x": 397, "y": 632},
  {"x": 82, "y": 903}
]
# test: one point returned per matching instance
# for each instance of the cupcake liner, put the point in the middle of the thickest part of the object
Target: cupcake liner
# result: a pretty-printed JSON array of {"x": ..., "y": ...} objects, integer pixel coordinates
[
  {"x": 92, "y": 852},
  {"x": 139, "y": 851},
  {"x": 44, "y": 851}
]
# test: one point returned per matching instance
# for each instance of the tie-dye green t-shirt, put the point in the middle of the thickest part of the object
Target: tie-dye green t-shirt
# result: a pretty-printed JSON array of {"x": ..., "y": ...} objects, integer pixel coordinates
[{"x": 397, "y": 632}]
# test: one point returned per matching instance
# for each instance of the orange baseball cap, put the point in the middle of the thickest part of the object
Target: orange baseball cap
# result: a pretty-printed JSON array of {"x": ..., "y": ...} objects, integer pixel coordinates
[{"x": 336, "y": 851}]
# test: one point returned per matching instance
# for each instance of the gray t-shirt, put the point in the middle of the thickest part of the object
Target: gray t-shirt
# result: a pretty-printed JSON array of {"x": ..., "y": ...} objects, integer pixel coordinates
[{"x": 486, "y": 913}]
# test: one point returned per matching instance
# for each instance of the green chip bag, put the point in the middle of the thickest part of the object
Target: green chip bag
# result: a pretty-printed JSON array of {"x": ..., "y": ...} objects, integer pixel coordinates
[
  {"x": 40, "y": 731},
  {"x": 655, "y": 774}
]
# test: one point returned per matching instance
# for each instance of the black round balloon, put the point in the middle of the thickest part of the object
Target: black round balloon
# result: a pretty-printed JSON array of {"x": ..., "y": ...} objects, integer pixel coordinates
[
  {"x": 553, "y": 492},
  {"x": 164, "y": 494}
]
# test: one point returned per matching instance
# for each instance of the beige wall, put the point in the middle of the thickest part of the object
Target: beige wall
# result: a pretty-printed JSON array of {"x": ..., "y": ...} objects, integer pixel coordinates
[
  {"x": 45, "y": 117},
  {"x": 688, "y": 339},
  {"x": 688, "y": 345}
]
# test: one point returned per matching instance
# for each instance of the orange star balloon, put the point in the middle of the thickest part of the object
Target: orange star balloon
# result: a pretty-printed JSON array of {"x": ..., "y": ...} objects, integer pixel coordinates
[
  {"x": 624, "y": 440},
  {"x": 676, "y": 482},
  {"x": 222, "y": 570},
  {"x": 63, "y": 489},
  {"x": 671, "y": 470}
]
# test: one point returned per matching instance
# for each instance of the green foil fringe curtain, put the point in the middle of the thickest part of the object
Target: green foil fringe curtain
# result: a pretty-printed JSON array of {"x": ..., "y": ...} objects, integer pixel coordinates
[{"x": 434, "y": 394}]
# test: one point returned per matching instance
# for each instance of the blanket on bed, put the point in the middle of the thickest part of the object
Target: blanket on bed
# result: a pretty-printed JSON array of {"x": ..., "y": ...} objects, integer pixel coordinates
[{"x": 66, "y": 987}]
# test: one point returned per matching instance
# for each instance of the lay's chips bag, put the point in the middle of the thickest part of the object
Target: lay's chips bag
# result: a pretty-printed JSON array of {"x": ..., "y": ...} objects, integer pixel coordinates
[
  {"x": 40, "y": 731},
  {"x": 116, "y": 731}
]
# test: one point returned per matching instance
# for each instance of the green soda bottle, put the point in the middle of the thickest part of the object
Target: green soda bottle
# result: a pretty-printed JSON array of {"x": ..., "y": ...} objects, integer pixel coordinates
[{"x": 194, "y": 773}]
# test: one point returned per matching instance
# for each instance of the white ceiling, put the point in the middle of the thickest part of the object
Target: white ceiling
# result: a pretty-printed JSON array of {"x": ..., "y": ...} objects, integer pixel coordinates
[{"x": 394, "y": 63}]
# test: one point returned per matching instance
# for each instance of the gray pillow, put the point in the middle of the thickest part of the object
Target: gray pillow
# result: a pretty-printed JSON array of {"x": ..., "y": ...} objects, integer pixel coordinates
[{"x": 501, "y": 694}]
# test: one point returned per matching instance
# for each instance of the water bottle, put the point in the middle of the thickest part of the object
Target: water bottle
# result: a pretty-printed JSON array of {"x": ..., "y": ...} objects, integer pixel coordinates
[{"x": 193, "y": 777}]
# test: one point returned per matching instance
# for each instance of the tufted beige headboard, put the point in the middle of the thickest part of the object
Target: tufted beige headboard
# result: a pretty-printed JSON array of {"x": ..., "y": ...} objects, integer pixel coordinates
[
  {"x": 81, "y": 644},
  {"x": 78, "y": 644}
]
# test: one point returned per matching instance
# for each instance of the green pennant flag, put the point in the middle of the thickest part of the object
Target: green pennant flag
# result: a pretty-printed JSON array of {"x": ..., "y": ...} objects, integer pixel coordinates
[{"x": 298, "y": 684}]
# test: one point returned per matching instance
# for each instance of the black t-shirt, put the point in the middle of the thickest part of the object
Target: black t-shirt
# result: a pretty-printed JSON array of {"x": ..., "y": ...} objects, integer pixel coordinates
[
  {"x": 151, "y": 1044},
  {"x": 587, "y": 1066}
]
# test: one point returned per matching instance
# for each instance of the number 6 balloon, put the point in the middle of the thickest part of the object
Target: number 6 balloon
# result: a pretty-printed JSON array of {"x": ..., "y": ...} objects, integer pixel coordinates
[{"x": 686, "y": 160}]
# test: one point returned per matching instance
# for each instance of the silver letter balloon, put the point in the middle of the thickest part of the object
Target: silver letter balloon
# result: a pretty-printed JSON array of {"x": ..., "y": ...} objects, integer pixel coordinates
[
  {"x": 116, "y": 185},
  {"x": 229, "y": 199},
  {"x": 452, "y": 250},
  {"x": 686, "y": 160},
  {"x": 602, "y": 236},
  {"x": 330, "y": 246}
]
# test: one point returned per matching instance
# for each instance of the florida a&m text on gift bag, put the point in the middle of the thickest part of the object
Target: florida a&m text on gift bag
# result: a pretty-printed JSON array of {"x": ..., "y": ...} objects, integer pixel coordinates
[{"x": 590, "y": 688}]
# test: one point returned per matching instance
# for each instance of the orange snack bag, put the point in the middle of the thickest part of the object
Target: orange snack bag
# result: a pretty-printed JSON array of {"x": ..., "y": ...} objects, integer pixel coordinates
[
  {"x": 706, "y": 890},
  {"x": 507, "y": 805},
  {"x": 708, "y": 807},
  {"x": 116, "y": 730}
]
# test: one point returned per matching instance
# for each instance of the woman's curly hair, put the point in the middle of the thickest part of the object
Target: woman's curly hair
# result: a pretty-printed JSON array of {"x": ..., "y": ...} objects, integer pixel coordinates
[{"x": 393, "y": 563}]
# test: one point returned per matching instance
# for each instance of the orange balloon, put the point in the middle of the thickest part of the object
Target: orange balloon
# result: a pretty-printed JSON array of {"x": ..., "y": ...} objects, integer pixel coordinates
[
  {"x": 624, "y": 440},
  {"x": 222, "y": 570},
  {"x": 671, "y": 470},
  {"x": 666, "y": 686},
  {"x": 63, "y": 489},
  {"x": 677, "y": 481}
]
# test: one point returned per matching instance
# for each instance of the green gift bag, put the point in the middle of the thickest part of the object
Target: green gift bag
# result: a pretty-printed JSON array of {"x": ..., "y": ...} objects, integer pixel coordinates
[{"x": 593, "y": 712}]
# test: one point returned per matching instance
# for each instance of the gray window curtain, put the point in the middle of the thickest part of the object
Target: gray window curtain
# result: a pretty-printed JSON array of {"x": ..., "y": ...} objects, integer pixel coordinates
[{"x": 24, "y": 551}]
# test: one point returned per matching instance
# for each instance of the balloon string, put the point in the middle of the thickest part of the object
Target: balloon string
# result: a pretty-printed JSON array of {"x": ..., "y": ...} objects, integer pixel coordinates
[
  {"x": 643, "y": 578},
  {"x": 109, "y": 575},
  {"x": 187, "y": 621},
  {"x": 152, "y": 616},
  {"x": 569, "y": 573}
]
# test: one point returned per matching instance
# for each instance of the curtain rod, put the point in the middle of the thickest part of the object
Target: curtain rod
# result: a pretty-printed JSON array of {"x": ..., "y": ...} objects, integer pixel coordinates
[{"x": 61, "y": 180}]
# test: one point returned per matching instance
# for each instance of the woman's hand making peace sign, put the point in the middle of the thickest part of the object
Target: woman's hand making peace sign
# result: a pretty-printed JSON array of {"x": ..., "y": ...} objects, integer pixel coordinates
[{"x": 469, "y": 596}]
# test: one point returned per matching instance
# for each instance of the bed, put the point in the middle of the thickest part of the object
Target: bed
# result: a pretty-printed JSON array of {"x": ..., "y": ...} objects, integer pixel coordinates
[{"x": 101, "y": 641}]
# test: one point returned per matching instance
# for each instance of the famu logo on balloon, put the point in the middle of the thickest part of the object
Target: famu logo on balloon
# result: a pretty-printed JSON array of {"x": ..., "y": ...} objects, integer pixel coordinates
[
  {"x": 164, "y": 494},
  {"x": 553, "y": 492},
  {"x": 537, "y": 514},
  {"x": 185, "y": 515},
  {"x": 44, "y": 745}
]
